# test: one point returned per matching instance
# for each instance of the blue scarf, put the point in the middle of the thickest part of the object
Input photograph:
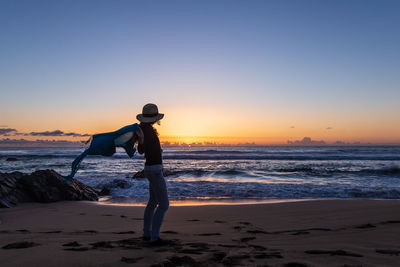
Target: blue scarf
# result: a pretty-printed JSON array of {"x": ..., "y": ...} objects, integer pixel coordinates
[{"x": 104, "y": 144}]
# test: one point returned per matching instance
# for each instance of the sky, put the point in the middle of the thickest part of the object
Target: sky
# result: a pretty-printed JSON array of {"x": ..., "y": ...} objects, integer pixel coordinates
[{"x": 221, "y": 71}]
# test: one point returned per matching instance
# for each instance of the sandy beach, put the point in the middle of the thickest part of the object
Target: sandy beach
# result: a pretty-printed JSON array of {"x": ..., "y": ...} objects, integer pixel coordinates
[{"x": 309, "y": 233}]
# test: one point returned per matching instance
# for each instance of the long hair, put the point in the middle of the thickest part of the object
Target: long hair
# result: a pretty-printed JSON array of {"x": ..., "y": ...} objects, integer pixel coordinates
[{"x": 152, "y": 125}]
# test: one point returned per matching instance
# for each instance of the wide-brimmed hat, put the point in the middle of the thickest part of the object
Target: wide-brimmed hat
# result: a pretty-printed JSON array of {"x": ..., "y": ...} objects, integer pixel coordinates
[{"x": 149, "y": 114}]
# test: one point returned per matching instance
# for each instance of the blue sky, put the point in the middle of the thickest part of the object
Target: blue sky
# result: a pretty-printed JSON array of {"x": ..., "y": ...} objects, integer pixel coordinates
[{"x": 86, "y": 66}]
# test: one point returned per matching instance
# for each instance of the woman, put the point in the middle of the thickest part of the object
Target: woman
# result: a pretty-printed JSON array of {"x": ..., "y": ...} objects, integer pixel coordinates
[{"x": 158, "y": 204}]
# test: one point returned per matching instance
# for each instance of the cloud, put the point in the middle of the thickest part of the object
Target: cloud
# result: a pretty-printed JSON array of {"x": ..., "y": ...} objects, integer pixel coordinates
[
  {"x": 14, "y": 132},
  {"x": 328, "y": 128},
  {"x": 292, "y": 127},
  {"x": 47, "y": 133},
  {"x": 307, "y": 141},
  {"x": 7, "y": 131},
  {"x": 6, "y": 142},
  {"x": 56, "y": 133},
  {"x": 76, "y": 134}
]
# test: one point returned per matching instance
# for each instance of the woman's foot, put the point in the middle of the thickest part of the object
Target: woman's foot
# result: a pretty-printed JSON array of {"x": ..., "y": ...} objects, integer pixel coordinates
[
  {"x": 159, "y": 242},
  {"x": 146, "y": 238}
]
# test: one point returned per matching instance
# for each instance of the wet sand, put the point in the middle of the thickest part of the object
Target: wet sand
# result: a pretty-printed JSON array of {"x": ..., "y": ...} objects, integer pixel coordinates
[{"x": 311, "y": 233}]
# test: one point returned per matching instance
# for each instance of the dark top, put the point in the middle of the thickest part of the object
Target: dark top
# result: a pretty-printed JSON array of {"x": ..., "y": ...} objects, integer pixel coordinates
[{"x": 151, "y": 145}]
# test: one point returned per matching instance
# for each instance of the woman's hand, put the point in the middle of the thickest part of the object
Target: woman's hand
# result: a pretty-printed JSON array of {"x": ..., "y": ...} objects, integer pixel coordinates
[{"x": 140, "y": 135}]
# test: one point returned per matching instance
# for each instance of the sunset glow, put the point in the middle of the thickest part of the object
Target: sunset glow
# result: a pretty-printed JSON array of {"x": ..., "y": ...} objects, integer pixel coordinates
[{"x": 266, "y": 78}]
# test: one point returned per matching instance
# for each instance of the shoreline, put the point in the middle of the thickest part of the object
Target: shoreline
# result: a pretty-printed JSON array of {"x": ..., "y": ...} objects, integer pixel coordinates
[
  {"x": 195, "y": 203},
  {"x": 353, "y": 232}
]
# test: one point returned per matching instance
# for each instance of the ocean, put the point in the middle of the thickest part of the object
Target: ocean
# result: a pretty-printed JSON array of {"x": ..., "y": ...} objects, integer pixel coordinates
[{"x": 231, "y": 174}]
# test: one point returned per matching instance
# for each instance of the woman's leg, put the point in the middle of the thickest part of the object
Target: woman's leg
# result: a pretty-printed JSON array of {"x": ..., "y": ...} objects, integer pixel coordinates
[
  {"x": 159, "y": 189},
  {"x": 149, "y": 212}
]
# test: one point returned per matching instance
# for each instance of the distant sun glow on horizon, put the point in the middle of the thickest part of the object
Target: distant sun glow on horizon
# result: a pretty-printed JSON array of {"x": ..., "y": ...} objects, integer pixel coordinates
[{"x": 224, "y": 72}]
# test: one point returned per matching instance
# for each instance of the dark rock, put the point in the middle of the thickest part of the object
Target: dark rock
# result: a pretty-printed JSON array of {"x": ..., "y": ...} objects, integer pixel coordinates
[
  {"x": 139, "y": 174},
  {"x": 104, "y": 191},
  {"x": 11, "y": 191},
  {"x": 106, "y": 188},
  {"x": 41, "y": 186},
  {"x": 11, "y": 159},
  {"x": 47, "y": 186}
]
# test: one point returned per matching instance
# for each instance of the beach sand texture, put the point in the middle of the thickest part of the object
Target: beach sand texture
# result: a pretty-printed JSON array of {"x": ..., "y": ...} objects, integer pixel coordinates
[{"x": 310, "y": 233}]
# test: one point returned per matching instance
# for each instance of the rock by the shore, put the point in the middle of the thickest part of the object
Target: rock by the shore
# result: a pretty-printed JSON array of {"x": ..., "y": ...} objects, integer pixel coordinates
[
  {"x": 106, "y": 189},
  {"x": 11, "y": 159},
  {"x": 41, "y": 186},
  {"x": 11, "y": 191}
]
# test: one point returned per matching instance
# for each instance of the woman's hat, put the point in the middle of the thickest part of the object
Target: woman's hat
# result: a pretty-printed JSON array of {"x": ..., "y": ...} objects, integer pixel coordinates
[{"x": 149, "y": 114}]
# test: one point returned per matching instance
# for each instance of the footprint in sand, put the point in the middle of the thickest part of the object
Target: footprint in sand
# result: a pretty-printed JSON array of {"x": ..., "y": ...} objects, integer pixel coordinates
[
  {"x": 258, "y": 247},
  {"x": 52, "y": 232},
  {"x": 193, "y": 220},
  {"x": 235, "y": 259},
  {"x": 295, "y": 264},
  {"x": 268, "y": 255},
  {"x": 390, "y": 221},
  {"x": 365, "y": 226},
  {"x": 23, "y": 231},
  {"x": 72, "y": 244},
  {"x": 333, "y": 252},
  {"x": 190, "y": 251},
  {"x": 391, "y": 252},
  {"x": 77, "y": 249},
  {"x": 102, "y": 244},
  {"x": 131, "y": 260},
  {"x": 179, "y": 261},
  {"x": 209, "y": 234},
  {"x": 218, "y": 256},
  {"x": 230, "y": 246},
  {"x": 301, "y": 233},
  {"x": 23, "y": 244},
  {"x": 247, "y": 239},
  {"x": 124, "y": 232},
  {"x": 257, "y": 232},
  {"x": 169, "y": 232}
]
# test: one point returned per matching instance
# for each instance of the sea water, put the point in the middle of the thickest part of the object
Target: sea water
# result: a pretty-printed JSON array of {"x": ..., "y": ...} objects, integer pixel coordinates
[{"x": 232, "y": 173}]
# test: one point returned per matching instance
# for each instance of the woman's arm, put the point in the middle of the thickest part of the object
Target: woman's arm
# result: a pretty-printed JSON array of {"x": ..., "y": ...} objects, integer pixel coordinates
[{"x": 140, "y": 136}]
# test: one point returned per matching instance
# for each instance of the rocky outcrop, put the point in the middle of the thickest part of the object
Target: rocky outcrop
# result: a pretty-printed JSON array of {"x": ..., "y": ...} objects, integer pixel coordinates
[
  {"x": 11, "y": 191},
  {"x": 41, "y": 186},
  {"x": 106, "y": 188}
]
